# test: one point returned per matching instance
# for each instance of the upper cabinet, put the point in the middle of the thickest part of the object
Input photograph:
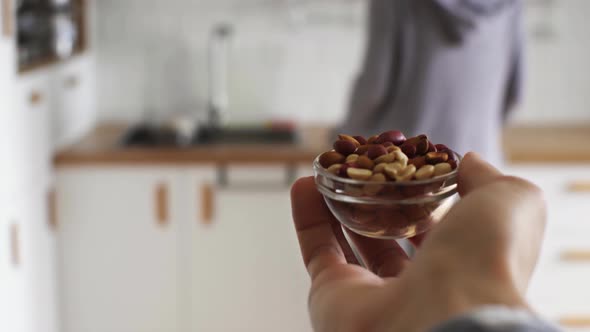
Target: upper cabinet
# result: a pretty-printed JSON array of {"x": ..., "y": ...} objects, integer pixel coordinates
[{"x": 49, "y": 31}]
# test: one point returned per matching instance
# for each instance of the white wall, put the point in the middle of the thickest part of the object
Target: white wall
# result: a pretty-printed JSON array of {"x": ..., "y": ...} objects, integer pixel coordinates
[
  {"x": 558, "y": 85},
  {"x": 153, "y": 53}
]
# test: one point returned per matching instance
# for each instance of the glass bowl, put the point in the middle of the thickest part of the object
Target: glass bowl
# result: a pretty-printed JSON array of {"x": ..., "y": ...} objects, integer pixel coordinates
[{"x": 390, "y": 210}]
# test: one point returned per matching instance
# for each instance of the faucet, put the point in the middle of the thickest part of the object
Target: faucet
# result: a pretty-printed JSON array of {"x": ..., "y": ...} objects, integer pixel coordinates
[{"x": 218, "y": 70}]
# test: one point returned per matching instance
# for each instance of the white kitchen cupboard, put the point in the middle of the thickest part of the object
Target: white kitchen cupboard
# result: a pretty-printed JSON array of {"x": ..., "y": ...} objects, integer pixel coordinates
[
  {"x": 33, "y": 102},
  {"x": 558, "y": 289},
  {"x": 247, "y": 273},
  {"x": 119, "y": 249},
  {"x": 74, "y": 105},
  {"x": 222, "y": 251}
]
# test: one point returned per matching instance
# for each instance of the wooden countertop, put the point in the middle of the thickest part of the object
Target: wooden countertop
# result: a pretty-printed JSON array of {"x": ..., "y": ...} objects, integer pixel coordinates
[
  {"x": 101, "y": 147},
  {"x": 562, "y": 144},
  {"x": 549, "y": 144}
]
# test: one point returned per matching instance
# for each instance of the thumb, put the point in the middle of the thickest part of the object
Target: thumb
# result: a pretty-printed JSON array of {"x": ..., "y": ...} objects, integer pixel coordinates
[{"x": 474, "y": 173}]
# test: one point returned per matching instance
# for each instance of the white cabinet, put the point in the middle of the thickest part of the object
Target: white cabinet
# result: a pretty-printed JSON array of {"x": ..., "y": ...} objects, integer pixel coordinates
[
  {"x": 220, "y": 252},
  {"x": 33, "y": 103},
  {"x": 119, "y": 250},
  {"x": 247, "y": 273},
  {"x": 559, "y": 289},
  {"x": 74, "y": 105}
]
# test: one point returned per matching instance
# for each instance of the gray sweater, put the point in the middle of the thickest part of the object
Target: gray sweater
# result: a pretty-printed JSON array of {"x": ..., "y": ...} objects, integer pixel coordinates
[{"x": 447, "y": 68}]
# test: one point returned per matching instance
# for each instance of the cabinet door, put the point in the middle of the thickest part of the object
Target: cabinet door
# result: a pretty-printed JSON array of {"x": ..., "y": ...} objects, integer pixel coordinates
[
  {"x": 74, "y": 105},
  {"x": 247, "y": 273},
  {"x": 119, "y": 250},
  {"x": 34, "y": 103}
]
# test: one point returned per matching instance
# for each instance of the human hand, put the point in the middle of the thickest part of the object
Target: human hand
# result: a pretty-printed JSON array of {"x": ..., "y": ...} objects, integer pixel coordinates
[{"x": 482, "y": 253}]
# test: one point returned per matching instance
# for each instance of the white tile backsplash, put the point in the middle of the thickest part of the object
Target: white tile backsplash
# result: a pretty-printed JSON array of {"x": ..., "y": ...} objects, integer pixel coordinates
[
  {"x": 297, "y": 59},
  {"x": 152, "y": 54}
]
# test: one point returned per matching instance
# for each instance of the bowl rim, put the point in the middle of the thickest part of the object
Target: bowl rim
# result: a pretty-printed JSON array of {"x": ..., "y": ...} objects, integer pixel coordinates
[{"x": 319, "y": 169}]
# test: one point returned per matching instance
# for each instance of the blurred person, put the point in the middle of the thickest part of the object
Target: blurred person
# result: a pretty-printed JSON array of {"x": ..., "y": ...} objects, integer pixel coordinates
[
  {"x": 465, "y": 277},
  {"x": 448, "y": 68}
]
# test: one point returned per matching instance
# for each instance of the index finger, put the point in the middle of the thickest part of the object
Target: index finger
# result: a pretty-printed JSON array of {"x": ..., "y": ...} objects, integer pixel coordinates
[{"x": 313, "y": 222}]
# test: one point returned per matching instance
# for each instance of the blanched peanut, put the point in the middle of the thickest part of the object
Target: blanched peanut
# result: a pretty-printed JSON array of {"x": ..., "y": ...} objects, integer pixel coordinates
[
  {"x": 393, "y": 148},
  {"x": 406, "y": 174},
  {"x": 379, "y": 168},
  {"x": 401, "y": 157},
  {"x": 392, "y": 169},
  {"x": 386, "y": 158},
  {"x": 425, "y": 172},
  {"x": 359, "y": 173},
  {"x": 335, "y": 169},
  {"x": 442, "y": 169},
  {"x": 352, "y": 158}
]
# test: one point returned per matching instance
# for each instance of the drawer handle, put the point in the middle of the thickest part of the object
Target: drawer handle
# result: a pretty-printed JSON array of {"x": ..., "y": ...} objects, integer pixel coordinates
[
  {"x": 52, "y": 209},
  {"x": 575, "y": 255},
  {"x": 207, "y": 204},
  {"x": 15, "y": 245},
  {"x": 7, "y": 15},
  {"x": 161, "y": 204},
  {"x": 575, "y": 321},
  {"x": 579, "y": 186},
  {"x": 35, "y": 98}
]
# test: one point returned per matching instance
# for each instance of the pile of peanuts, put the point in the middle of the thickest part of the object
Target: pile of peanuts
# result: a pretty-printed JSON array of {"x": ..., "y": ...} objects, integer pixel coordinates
[{"x": 388, "y": 157}]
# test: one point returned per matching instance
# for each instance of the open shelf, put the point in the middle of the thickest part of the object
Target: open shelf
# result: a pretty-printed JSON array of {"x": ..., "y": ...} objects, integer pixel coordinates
[{"x": 40, "y": 13}]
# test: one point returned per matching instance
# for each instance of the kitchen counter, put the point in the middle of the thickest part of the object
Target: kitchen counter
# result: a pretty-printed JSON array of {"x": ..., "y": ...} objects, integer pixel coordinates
[
  {"x": 101, "y": 147},
  {"x": 522, "y": 144}
]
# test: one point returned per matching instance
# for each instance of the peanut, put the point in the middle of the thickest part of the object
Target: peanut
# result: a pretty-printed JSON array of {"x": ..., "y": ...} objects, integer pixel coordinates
[
  {"x": 375, "y": 151},
  {"x": 350, "y": 139},
  {"x": 405, "y": 174},
  {"x": 379, "y": 168},
  {"x": 393, "y": 148},
  {"x": 372, "y": 139},
  {"x": 394, "y": 136},
  {"x": 436, "y": 157},
  {"x": 386, "y": 158},
  {"x": 431, "y": 147},
  {"x": 453, "y": 163},
  {"x": 409, "y": 150},
  {"x": 442, "y": 169},
  {"x": 374, "y": 189},
  {"x": 335, "y": 169},
  {"x": 359, "y": 173},
  {"x": 392, "y": 169},
  {"x": 440, "y": 147},
  {"x": 361, "y": 150},
  {"x": 401, "y": 157},
  {"x": 360, "y": 139},
  {"x": 344, "y": 147},
  {"x": 420, "y": 143},
  {"x": 425, "y": 172},
  {"x": 352, "y": 158},
  {"x": 365, "y": 162},
  {"x": 330, "y": 158},
  {"x": 418, "y": 161}
]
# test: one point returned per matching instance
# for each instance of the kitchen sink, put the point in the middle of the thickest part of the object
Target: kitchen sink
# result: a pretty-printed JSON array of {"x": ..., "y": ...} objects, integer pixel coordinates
[{"x": 153, "y": 136}]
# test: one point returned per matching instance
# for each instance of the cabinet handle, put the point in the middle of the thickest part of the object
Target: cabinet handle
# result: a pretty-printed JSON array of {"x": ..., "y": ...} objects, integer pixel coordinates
[
  {"x": 71, "y": 82},
  {"x": 52, "y": 209},
  {"x": 15, "y": 245},
  {"x": 7, "y": 15},
  {"x": 207, "y": 204},
  {"x": 575, "y": 255},
  {"x": 161, "y": 204},
  {"x": 575, "y": 321},
  {"x": 35, "y": 98},
  {"x": 579, "y": 186}
]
